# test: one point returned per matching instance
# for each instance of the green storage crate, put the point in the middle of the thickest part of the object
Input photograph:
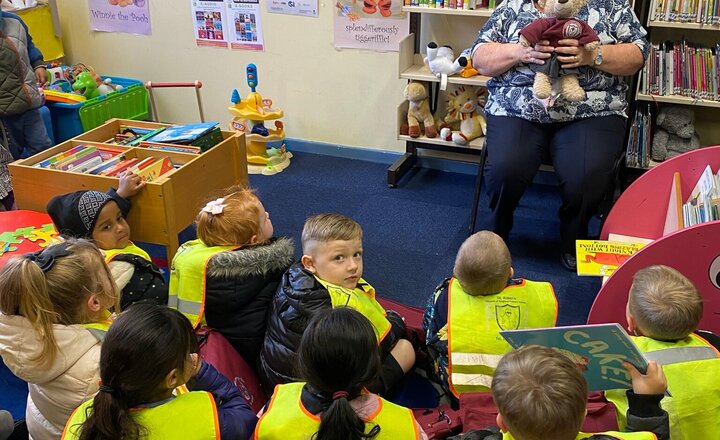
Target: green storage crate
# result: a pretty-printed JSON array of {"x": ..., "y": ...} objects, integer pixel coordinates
[{"x": 130, "y": 103}]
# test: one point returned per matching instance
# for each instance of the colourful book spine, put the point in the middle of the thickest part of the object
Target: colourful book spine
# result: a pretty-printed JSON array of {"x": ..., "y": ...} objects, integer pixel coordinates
[
  {"x": 70, "y": 166},
  {"x": 53, "y": 159},
  {"x": 122, "y": 166},
  {"x": 59, "y": 165}
]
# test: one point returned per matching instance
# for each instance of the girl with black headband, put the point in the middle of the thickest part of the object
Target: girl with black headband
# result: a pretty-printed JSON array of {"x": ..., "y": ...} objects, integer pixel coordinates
[
  {"x": 338, "y": 358},
  {"x": 54, "y": 306}
]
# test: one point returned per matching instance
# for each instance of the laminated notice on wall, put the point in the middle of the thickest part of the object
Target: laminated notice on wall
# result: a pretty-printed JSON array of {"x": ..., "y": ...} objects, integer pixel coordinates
[
  {"x": 306, "y": 8},
  {"x": 245, "y": 30},
  {"x": 372, "y": 24},
  {"x": 131, "y": 16},
  {"x": 209, "y": 23}
]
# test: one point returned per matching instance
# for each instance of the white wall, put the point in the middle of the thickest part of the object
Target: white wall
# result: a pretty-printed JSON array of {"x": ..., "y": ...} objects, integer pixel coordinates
[{"x": 343, "y": 97}]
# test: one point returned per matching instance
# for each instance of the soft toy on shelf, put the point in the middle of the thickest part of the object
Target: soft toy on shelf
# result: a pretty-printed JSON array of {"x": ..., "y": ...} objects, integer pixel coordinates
[
  {"x": 674, "y": 132},
  {"x": 441, "y": 60},
  {"x": 266, "y": 151},
  {"x": 465, "y": 106},
  {"x": 560, "y": 25},
  {"x": 418, "y": 111}
]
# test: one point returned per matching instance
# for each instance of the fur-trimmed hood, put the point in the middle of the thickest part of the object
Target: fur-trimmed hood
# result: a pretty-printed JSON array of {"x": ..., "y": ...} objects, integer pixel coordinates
[{"x": 258, "y": 260}]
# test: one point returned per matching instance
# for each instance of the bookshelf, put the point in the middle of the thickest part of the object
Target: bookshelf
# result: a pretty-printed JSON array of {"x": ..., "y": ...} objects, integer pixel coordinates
[
  {"x": 160, "y": 211},
  {"x": 457, "y": 28},
  {"x": 683, "y": 69}
]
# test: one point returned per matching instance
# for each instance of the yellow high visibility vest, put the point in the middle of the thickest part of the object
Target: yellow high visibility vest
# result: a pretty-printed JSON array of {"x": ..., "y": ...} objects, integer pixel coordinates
[
  {"x": 129, "y": 249},
  {"x": 286, "y": 417},
  {"x": 190, "y": 416},
  {"x": 475, "y": 345},
  {"x": 99, "y": 329},
  {"x": 692, "y": 369},
  {"x": 362, "y": 299},
  {"x": 614, "y": 434},
  {"x": 186, "y": 291}
]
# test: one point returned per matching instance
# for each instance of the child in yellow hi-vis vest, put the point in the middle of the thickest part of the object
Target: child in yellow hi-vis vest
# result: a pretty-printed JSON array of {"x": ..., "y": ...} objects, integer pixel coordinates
[
  {"x": 329, "y": 275},
  {"x": 465, "y": 315},
  {"x": 228, "y": 276},
  {"x": 100, "y": 217},
  {"x": 663, "y": 312},
  {"x": 541, "y": 394},
  {"x": 54, "y": 306},
  {"x": 147, "y": 358},
  {"x": 337, "y": 360}
]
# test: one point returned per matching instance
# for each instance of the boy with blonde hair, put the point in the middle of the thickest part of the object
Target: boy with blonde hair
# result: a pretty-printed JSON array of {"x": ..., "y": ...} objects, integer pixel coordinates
[
  {"x": 663, "y": 310},
  {"x": 329, "y": 275},
  {"x": 542, "y": 395},
  {"x": 465, "y": 315}
]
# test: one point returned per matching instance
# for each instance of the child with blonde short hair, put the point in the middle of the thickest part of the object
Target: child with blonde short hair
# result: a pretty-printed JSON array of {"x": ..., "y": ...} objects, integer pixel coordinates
[
  {"x": 228, "y": 276},
  {"x": 663, "y": 310},
  {"x": 465, "y": 314},
  {"x": 329, "y": 275},
  {"x": 54, "y": 306},
  {"x": 541, "y": 394}
]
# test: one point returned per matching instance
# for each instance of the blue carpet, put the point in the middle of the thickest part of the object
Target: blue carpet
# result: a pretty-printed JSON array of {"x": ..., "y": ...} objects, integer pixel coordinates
[{"x": 412, "y": 232}]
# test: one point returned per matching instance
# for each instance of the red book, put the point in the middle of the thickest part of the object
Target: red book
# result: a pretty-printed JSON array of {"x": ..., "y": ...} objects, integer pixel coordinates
[{"x": 122, "y": 166}]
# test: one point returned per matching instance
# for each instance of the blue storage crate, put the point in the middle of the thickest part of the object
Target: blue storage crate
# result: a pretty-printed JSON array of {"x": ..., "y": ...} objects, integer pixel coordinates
[{"x": 70, "y": 120}]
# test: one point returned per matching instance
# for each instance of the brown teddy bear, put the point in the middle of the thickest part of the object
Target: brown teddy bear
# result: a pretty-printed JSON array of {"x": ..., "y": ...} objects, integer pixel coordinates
[
  {"x": 559, "y": 25},
  {"x": 418, "y": 111}
]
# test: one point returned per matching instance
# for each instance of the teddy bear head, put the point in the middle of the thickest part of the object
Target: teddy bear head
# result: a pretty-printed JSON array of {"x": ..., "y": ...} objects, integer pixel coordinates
[
  {"x": 563, "y": 8},
  {"x": 415, "y": 92},
  {"x": 677, "y": 120}
]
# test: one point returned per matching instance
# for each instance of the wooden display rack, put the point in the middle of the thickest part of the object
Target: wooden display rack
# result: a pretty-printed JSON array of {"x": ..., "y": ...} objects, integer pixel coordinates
[{"x": 160, "y": 211}]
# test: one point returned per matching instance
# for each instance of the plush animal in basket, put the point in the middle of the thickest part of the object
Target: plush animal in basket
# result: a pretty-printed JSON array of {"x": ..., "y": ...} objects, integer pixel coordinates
[
  {"x": 559, "y": 25},
  {"x": 418, "y": 111},
  {"x": 465, "y": 106}
]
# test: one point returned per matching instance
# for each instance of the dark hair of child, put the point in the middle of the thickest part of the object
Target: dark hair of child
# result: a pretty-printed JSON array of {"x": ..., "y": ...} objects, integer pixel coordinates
[
  {"x": 144, "y": 344},
  {"x": 339, "y": 357}
]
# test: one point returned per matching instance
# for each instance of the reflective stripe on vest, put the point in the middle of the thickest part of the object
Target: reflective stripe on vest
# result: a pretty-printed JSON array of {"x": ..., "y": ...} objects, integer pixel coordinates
[
  {"x": 362, "y": 299},
  {"x": 286, "y": 417},
  {"x": 99, "y": 329},
  {"x": 613, "y": 434},
  {"x": 187, "y": 278},
  {"x": 190, "y": 416},
  {"x": 692, "y": 369},
  {"x": 475, "y": 345},
  {"x": 129, "y": 249}
]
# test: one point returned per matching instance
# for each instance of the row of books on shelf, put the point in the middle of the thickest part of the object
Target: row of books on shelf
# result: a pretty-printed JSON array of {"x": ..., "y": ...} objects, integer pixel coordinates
[
  {"x": 702, "y": 206},
  {"x": 107, "y": 161},
  {"x": 682, "y": 68},
  {"x": 639, "y": 146},
  {"x": 452, "y": 4},
  {"x": 687, "y": 11},
  {"x": 187, "y": 138}
]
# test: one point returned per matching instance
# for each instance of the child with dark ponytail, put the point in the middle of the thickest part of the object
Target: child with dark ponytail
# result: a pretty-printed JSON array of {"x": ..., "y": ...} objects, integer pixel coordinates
[
  {"x": 148, "y": 356},
  {"x": 338, "y": 358}
]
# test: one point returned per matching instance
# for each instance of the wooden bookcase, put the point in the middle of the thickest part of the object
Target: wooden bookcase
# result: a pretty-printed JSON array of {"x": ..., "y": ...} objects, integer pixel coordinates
[
  {"x": 165, "y": 206},
  {"x": 454, "y": 27}
]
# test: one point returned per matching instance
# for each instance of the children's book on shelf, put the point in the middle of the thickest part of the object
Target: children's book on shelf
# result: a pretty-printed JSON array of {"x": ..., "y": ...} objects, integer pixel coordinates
[
  {"x": 152, "y": 170},
  {"x": 703, "y": 205},
  {"x": 119, "y": 167},
  {"x": 183, "y": 133},
  {"x": 597, "y": 349},
  {"x": 603, "y": 257},
  {"x": 171, "y": 147},
  {"x": 674, "y": 215}
]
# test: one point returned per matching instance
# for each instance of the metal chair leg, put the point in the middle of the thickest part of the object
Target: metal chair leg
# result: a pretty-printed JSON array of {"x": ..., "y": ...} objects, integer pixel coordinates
[{"x": 478, "y": 190}]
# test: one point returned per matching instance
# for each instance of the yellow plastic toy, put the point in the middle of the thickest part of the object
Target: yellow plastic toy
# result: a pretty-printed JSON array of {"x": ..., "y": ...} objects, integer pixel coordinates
[
  {"x": 58, "y": 96},
  {"x": 249, "y": 116}
]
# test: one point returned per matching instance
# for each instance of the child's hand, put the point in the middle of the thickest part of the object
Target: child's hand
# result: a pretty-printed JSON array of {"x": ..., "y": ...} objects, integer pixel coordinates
[
  {"x": 130, "y": 184},
  {"x": 652, "y": 382},
  {"x": 41, "y": 75}
]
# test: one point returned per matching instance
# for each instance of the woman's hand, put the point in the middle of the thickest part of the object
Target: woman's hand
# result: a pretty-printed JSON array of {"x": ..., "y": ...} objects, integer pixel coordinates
[
  {"x": 571, "y": 54},
  {"x": 535, "y": 55}
]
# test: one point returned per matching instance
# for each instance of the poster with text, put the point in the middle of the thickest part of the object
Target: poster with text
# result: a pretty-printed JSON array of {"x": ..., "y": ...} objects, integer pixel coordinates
[
  {"x": 245, "y": 31},
  {"x": 131, "y": 16},
  {"x": 370, "y": 24},
  {"x": 209, "y": 23},
  {"x": 306, "y": 8}
]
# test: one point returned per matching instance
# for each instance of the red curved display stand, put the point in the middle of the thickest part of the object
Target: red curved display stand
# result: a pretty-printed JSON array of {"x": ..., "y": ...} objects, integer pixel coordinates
[
  {"x": 640, "y": 210},
  {"x": 10, "y": 221},
  {"x": 695, "y": 251}
]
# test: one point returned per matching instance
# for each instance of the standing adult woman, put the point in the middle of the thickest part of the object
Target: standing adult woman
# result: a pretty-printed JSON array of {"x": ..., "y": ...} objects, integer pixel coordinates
[{"x": 583, "y": 138}]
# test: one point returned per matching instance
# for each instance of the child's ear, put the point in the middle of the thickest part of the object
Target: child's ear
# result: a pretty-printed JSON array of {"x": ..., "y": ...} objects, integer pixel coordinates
[
  {"x": 93, "y": 303},
  {"x": 308, "y": 263},
  {"x": 512, "y": 272},
  {"x": 501, "y": 423},
  {"x": 632, "y": 322},
  {"x": 172, "y": 380},
  {"x": 253, "y": 239}
]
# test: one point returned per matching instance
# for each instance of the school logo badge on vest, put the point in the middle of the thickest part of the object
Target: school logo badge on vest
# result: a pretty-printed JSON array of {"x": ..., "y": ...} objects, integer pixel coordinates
[
  {"x": 572, "y": 29},
  {"x": 508, "y": 317}
]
